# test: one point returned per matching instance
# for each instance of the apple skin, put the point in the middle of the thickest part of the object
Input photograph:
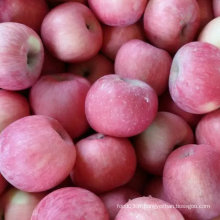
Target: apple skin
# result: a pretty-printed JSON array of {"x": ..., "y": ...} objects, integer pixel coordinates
[
  {"x": 127, "y": 106},
  {"x": 13, "y": 106},
  {"x": 30, "y": 13},
  {"x": 168, "y": 105},
  {"x": 68, "y": 107},
  {"x": 92, "y": 69},
  {"x": 216, "y": 7},
  {"x": 21, "y": 56},
  {"x": 54, "y": 3},
  {"x": 33, "y": 150},
  {"x": 118, "y": 13},
  {"x": 16, "y": 203},
  {"x": 210, "y": 33},
  {"x": 146, "y": 208},
  {"x": 155, "y": 143},
  {"x": 70, "y": 203},
  {"x": 172, "y": 23},
  {"x": 115, "y": 37},
  {"x": 207, "y": 130},
  {"x": 116, "y": 197},
  {"x": 99, "y": 166},
  {"x": 195, "y": 77},
  {"x": 3, "y": 184},
  {"x": 197, "y": 166},
  {"x": 71, "y": 32},
  {"x": 145, "y": 62}
]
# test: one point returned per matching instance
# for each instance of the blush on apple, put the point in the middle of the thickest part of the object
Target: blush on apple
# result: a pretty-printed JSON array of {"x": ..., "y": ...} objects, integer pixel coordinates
[
  {"x": 103, "y": 163},
  {"x": 36, "y": 153},
  {"x": 70, "y": 203},
  {"x": 62, "y": 96},
  {"x": 71, "y": 32},
  {"x": 21, "y": 56},
  {"x": 120, "y": 107}
]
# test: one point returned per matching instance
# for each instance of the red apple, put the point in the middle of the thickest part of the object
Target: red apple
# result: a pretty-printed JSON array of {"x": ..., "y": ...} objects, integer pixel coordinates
[
  {"x": 103, "y": 162},
  {"x": 172, "y": 23},
  {"x": 36, "y": 153},
  {"x": 117, "y": 197},
  {"x": 68, "y": 107},
  {"x": 191, "y": 179},
  {"x": 53, "y": 3},
  {"x": 71, "y": 32},
  {"x": 118, "y": 13},
  {"x": 70, "y": 203},
  {"x": 216, "y": 8},
  {"x": 119, "y": 106},
  {"x": 93, "y": 69},
  {"x": 30, "y": 13},
  {"x": 148, "y": 208},
  {"x": 145, "y": 62},
  {"x": 21, "y": 56},
  {"x": 115, "y": 37},
  {"x": 195, "y": 78},
  {"x": 207, "y": 130},
  {"x": 3, "y": 184},
  {"x": 16, "y": 203},
  {"x": 13, "y": 106},
  {"x": 154, "y": 145}
]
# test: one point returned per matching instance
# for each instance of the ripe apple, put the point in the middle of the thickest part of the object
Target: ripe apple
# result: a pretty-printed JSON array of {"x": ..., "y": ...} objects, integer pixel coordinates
[
  {"x": 116, "y": 198},
  {"x": 172, "y": 23},
  {"x": 13, "y": 106},
  {"x": 16, "y": 203},
  {"x": 145, "y": 62},
  {"x": 30, "y": 13},
  {"x": 216, "y": 8},
  {"x": 154, "y": 145},
  {"x": 103, "y": 162},
  {"x": 148, "y": 208},
  {"x": 195, "y": 78},
  {"x": 191, "y": 177},
  {"x": 21, "y": 56},
  {"x": 93, "y": 68},
  {"x": 70, "y": 203},
  {"x": 118, "y": 13},
  {"x": 207, "y": 130},
  {"x": 68, "y": 106},
  {"x": 115, "y": 37},
  {"x": 3, "y": 184},
  {"x": 53, "y": 3},
  {"x": 211, "y": 33},
  {"x": 120, "y": 107},
  {"x": 36, "y": 153},
  {"x": 71, "y": 32}
]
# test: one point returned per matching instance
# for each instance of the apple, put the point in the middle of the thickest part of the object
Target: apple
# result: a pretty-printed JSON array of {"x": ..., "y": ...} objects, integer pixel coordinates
[
  {"x": 13, "y": 106},
  {"x": 207, "y": 130},
  {"x": 168, "y": 105},
  {"x": 52, "y": 65},
  {"x": 93, "y": 68},
  {"x": 71, "y": 32},
  {"x": 115, "y": 37},
  {"x": 3, "y": 184},
  {"x": 30, "y": 13},
  {"x": 172, "y": 23},
  {"x": 21, "y": 56},
  {"x": 195, "y": 77},
  {"x": 103, "y": 163},
  {"x": 145, "y": 62},
  {"x": 36, "y": 153},
  {"x": 118, "y": 13},
  {"x": 117, "y": 197},
  {"x": 53, "y": 3},
  {"x": 120, "y": 107},
  {"x": 216, "y": 8},
  {"x": 148, "y": 208},
  {"x": 70, "y": 203},
  {"x": 154, "y": 145},
  {"x": 191, "y": 177},
  {"x": 16, "y": 203},
  {"x": 68, "y": 107},
  {"x": 210, "y": 33}
]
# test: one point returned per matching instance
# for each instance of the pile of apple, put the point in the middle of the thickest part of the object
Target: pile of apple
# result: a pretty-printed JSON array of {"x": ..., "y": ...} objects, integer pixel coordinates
[{"x": 110, "y": 109}]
